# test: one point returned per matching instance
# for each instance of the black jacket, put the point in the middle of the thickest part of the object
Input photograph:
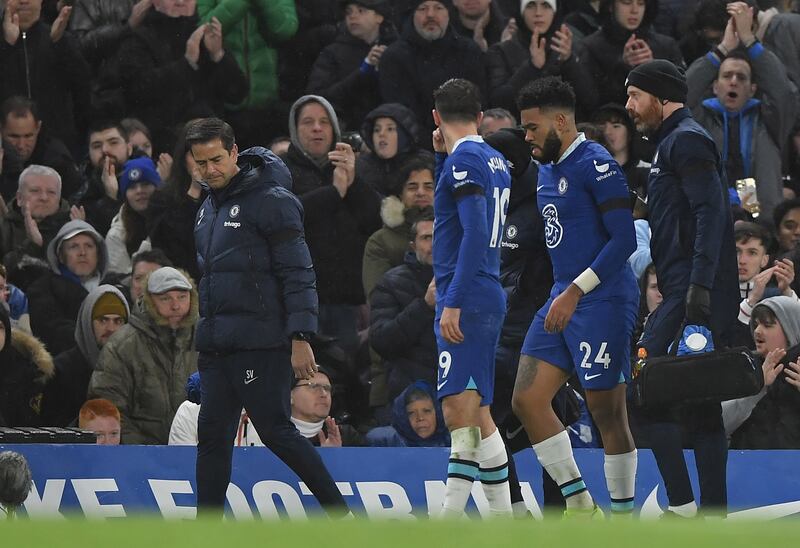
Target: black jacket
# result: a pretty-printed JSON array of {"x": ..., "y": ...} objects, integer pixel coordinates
[
  {"x": 336, "y": 229},
  {"x": 66, "y": 392},
  {"x": 54, "y": 302},
  {"x": 55, "y": 75},
  {"x": 337, "y": 76},
  {"x": 525, "y": 268},
  {"x": 170, "y": 227},
  {"x": 493, "y": 30},
  {"x": 25, "y": 368},
  {"x": 162, "y": 89},
  {"x": 257, "y": 285},
  {"x": 603, "y": 53},
  {"x": 412, "y": 68},
  {"x": 100, "y": 209},
  {"x": 401, "y": 325}
]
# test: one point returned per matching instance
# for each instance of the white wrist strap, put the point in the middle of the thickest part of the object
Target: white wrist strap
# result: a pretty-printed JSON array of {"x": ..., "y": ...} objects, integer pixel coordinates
[{"x": 587, "y": 281}]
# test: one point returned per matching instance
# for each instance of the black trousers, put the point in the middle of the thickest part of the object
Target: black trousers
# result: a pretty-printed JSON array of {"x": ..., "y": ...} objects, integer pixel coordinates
[
  {"x": 260, "y": 381},
  {"x": 700, "y": 426}
]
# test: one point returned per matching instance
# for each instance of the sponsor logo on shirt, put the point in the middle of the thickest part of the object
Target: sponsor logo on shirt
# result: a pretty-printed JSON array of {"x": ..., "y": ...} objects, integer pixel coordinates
[
  {"x": 459, "y": 175},
  {"x": 563, "y": 185},
  {"x": 234, "y": 212},
  {"x": 601, "y": 168},
  {"x": 553, "y": 231}
]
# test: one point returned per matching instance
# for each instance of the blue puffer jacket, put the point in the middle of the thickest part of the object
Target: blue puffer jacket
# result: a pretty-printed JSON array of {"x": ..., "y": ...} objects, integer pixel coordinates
[{"x": 258, "y": 284}]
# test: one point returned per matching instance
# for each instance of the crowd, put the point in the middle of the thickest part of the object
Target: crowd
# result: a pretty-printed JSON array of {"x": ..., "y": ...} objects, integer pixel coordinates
[{"x": 99, "y": 192}]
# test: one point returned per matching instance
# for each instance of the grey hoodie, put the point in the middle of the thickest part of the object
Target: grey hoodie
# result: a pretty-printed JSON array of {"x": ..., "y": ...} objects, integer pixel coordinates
[
  {"x": 70, "y": 229},
  {"x": 295, "y": 111},
  {"x": 84, "y": 331}
]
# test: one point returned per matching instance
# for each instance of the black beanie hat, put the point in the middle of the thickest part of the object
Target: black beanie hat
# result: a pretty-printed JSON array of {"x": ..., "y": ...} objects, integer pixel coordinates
[
  {"x": 660, "y": 78},
  {"x": 510, "y": 142}
]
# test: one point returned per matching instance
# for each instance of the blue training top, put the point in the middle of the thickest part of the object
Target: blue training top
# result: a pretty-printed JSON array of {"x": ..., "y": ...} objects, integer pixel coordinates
[
  {"x": 585, "y": 204},
  {"x": 470, "y": 202}
]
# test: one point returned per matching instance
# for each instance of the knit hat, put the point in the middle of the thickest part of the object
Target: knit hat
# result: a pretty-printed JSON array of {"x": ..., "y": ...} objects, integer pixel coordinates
[
  {"x": 109, "y": 303},
  {"x": 510, "y": 142},
  {"x": 166, "y": 279},
  {"x": 138, "y": 170},
  {"x": 524, "y": 4},
  {"x": 381, "y": 7},
  {"x": 661, "y": 79}
]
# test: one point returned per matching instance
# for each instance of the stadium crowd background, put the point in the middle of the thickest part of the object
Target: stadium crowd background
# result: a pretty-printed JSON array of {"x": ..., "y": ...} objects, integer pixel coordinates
[{"x": 99, "y": 192}]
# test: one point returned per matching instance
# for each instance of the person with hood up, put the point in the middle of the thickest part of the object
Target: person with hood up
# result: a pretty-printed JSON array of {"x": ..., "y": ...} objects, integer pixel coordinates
[
  {"x": 346, "y": 71},
  {"x": 771, "y": 418},
  {"x": 103, "y": 312},
  {"x": 625, "y": 40},
  {"x": 543, "y": 46},
  {"x": 417, "y": 421},
  {"x": 341, "y": 212},
  {"x": 25, "y": 369},
  {"x": 142, "y": 367},
  {"x": 258, "y": 311},
  {"x": 128, "y": 232},
  {"x": 77, "y": 257},
  {"x": 391, "y": 134}
]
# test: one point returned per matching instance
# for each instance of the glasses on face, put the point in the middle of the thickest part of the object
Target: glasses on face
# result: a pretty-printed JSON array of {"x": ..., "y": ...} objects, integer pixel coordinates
[{"x": 316, "y": 387}]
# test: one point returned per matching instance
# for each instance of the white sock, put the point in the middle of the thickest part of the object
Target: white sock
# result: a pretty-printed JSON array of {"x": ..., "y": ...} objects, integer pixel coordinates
[
  {"x": 520, "y": 510},
  {"x": 461, "y": 470},
  {"x": 621, "y": 481},
  {"x": 688, "y": 510},
  {"x": 493, "y": 460},
  {"x": 555, "y": 456}
]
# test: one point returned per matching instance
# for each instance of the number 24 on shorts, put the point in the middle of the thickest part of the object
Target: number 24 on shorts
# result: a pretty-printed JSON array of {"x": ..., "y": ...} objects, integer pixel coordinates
[{"x": 602, "y": 356}]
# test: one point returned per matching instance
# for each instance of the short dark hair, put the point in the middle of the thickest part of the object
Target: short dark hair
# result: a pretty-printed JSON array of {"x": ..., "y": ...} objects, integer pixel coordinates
[
  {"x": 783, "y": 208},
  {"x": 204, "y": 130},
  {"x": 740, "y": 54},
  {"x": 458, "y": 100},
  {"x": 132, "y": 125},
  {"x": 499, "y": 114},
  {"x": 426, "y": 215},
  {"x": 103, "y": 124},
  {"x": 154, "y": 255},
  {"x": 764, "y": 315},
  {"x": 744, "y": 231},
  {"x": 418, "y": 161},
  {"x": 550, "y": 92},
  {"x": 19, "y": 106}
]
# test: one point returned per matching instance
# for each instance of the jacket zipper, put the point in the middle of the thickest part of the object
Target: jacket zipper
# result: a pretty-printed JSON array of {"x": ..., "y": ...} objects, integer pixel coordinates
[
  {"x": 27, "y": 67},
  {"x": 207, "y": 269}
]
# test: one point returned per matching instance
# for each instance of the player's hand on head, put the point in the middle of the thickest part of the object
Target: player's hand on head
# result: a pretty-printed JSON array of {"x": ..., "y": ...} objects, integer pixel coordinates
[
  {"x": 438, "y": 141},
  {"x": 449, "y": 325}
]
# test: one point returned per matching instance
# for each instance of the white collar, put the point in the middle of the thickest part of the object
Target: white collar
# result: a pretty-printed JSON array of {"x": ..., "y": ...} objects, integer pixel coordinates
[
  {"x": 578, "y": 140},
  {"x": 307, "y": 429},
  {"x": 473, "y": 138}
]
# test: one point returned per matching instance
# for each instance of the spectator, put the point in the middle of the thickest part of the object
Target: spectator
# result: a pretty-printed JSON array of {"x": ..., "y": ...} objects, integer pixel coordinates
[
  {"x": 138, "y": 137},
  {"x": 780, "y": 33},
  {"x": 341, "y": 212},
  {"x": 15, "y": 302},
  {"x": 26, "y": 368},
  {"x": 749, "y": 132},
  {"x": 142, "y": 367},
  {"x": 77, "y": 257},
  {"x": 173, "y": 207},
  {"x": 173, "y": 71},
  {"x": 706, "y": 27},
  {"x": 109, "y": 149},
  {"x": 543, "y": 46},
  {"x": 406, "y": 204},
  {"x": 402, "y": 312},
  {"x": 494, "y": 120},
  {"x": 417, "y": 420},
  {"x": 35, "y": 216},
  {"x": 619, "y": 136},
  {"x": 280, "y": 146},
  {"x": 649, "y": 299},
  {"x": 143, "y": 263},
  {"x": 787, "y": 222},
  {"x": 311, "y": 407},
  {"x": 346, "y": 71},
  {"x": 253, "y": 29},
  {"x": 103, "y": 312},
  {"x": 771, "y": 418},
  {"x": 428, "y": 53},
  {"x": 24, "y": 141},
  {"x": 626, "y": 40},
  {"x": 128, "y": 232},
  {"x": 483, "y": 21},
  {"x": 44, "y": 64},
  {"x": 391, "y": 134},
  {"x": 584, "y": 18},
  {"x": 101, "y": 417}
]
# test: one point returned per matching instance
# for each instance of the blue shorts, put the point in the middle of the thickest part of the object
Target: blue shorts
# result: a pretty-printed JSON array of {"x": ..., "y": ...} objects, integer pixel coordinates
[
  {"x": 469, "y": 365},
  {"x": 596, "y": 343}
]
